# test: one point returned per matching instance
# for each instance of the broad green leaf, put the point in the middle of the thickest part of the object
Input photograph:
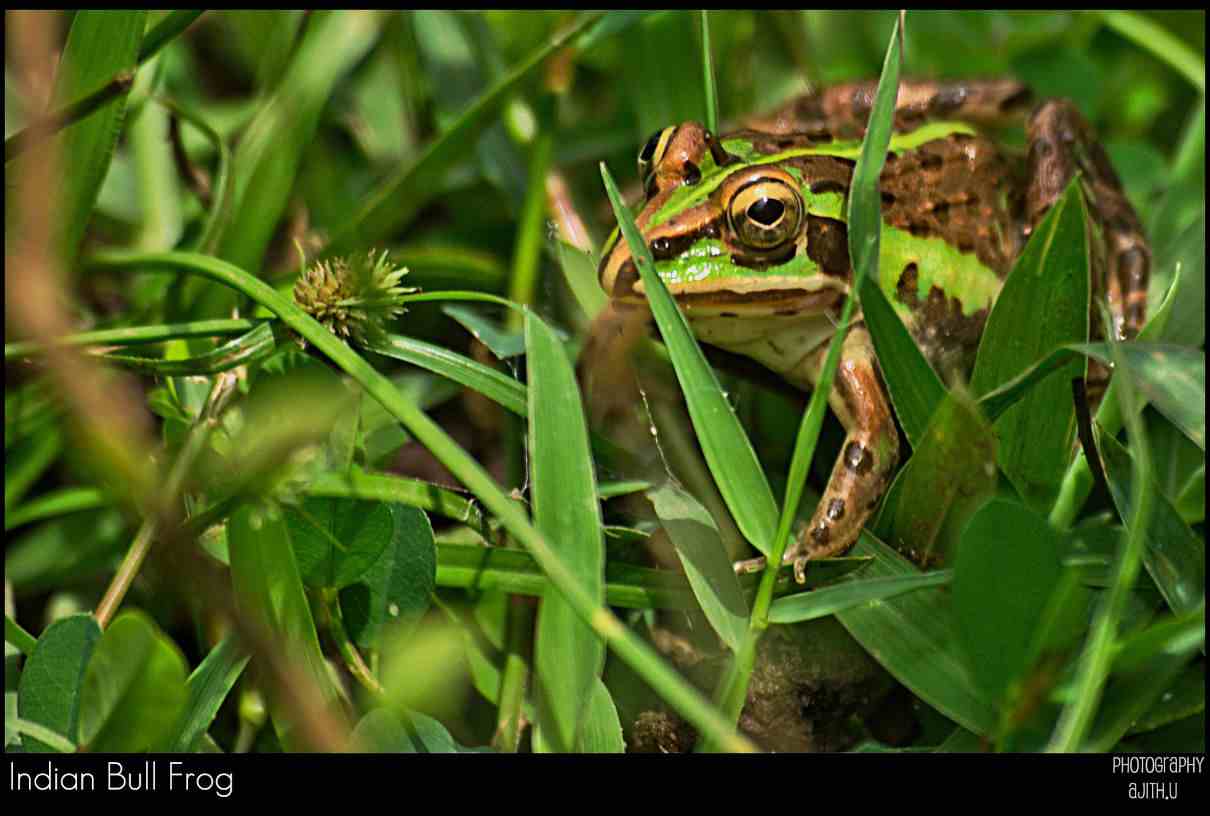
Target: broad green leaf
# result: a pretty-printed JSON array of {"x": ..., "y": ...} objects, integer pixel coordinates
[
  {"x": 395, "y": 589},
  {"x": 568, "y": 655},
  {"x": 805, "y": 606},
  {"x": 952, "y": 473},
  {"x": 269, "y": 591},
  {"x": 1185, "y": 697},
  {"x": 1175, "y": 556},
  {"x": 49, "y": 691},
  {"x": 705, "y": 561},
  {"x": 911, "y": 635},
  {"x": 1172, "y": 378},
  {"x": 397, "y": 201},
  {"x": 134, "y": 687},
  {"x": 206, "y": 688},
  {"x": 1006, "y": 567},
  {"x": 383, "y": 731},
  {"x": 337, "y": 540},
  {"x": 600, "y": 730},
  {"x": 728, "y": 452},
  {"x": 1044, "y": 304}
]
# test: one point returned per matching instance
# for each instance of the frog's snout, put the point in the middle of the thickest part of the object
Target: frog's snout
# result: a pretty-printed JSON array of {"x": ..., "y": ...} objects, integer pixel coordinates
[{"x": 617, "y": 272}]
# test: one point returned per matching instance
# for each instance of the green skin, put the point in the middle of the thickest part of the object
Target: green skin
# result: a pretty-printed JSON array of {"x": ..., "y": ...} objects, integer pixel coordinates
[{"x": 748, "y": 233}]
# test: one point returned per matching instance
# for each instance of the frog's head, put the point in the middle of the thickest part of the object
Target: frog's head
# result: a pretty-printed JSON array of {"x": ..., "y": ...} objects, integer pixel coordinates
[{"x": 729, "y": 227}]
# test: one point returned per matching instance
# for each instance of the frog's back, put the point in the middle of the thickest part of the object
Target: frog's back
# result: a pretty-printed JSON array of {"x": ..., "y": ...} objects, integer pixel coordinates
[{"x": 951, "y": 212}]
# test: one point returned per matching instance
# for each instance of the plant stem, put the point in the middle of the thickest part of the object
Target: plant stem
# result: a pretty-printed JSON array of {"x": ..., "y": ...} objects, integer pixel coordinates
[
  {"x": 329, "y": 605},
  {"x": 628, "y": 645},
  {"x": 195, "y": 442}
]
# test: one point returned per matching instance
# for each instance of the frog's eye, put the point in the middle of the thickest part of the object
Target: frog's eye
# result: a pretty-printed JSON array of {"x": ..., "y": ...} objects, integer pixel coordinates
[
  {"x": 765, "y": 213},
  {"x": 653, "y": 152}
]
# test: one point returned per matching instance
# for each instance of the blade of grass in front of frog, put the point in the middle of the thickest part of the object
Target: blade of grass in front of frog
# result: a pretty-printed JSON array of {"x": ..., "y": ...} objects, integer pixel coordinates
[
  {"x": 1092, "y": 670},
  {"x": 914, "y": 387},
  {"x": 401, "y": 197},
  {"x": 1043, "y": 305},
  {"x": 568, "y": 654},
  {"x": 865, "y": 228},
  {"x": 1175, "y": 555},
  {"x": 1171, "y": 378},
  {"x": 911, "y": 636},
  {"x": 728, "y": 451},
  {"x": 708, "y": 76}
]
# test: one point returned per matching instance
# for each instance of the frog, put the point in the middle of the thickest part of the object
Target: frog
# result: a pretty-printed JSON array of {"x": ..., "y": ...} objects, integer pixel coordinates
[{"x": 748, "y": 232}]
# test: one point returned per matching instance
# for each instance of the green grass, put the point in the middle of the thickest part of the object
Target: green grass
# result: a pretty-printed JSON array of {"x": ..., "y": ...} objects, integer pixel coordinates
[{"x": 397, "y": 505}]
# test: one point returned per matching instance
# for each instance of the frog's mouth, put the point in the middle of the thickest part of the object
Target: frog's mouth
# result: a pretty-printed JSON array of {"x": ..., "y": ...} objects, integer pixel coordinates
[{"x": 773, "y": 296}]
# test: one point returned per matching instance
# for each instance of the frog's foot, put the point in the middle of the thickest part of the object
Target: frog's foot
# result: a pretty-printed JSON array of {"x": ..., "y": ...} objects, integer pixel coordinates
[
  {"x": 867, "y": 460},
  {"x": 1060, "y": 144}
]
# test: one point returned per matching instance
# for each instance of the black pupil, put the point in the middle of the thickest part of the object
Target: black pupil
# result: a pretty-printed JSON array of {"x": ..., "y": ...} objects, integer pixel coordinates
[
  {"x": 648, "y": 150},
  {"x": 766, "y": 211}
]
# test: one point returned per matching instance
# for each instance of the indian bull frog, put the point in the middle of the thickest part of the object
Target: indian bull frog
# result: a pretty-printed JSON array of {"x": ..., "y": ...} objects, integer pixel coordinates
[{"x": 748, "y": 232}]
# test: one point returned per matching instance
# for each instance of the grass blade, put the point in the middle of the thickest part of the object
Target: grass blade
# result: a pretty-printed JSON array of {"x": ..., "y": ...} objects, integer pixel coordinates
[
  {"x": 915, "y": 388},
  {"x": 806, "y": 606},
  {"x": 100, "y": 44},
  {"x": 705, "y": 560},
  {"x": 729, "y": 453},
  {"x": 708, "y": 76},
  {"x": 487, "y": 381},
  {"x": 568, "y": 655}
]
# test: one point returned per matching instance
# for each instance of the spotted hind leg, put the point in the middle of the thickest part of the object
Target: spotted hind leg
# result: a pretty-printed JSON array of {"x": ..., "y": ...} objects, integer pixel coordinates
[{"x": 871, "y": 450}]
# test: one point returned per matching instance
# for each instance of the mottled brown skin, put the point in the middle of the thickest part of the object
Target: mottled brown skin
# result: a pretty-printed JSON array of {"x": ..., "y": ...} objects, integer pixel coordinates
[{"x": 961, "y": 188}]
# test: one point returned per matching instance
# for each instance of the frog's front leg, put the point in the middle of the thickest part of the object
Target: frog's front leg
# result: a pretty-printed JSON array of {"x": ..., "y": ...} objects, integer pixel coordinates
[{"x": 867, "y": 460}]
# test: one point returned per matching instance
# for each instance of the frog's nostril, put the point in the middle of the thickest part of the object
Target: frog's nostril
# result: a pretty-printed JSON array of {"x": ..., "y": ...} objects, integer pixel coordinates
[{"x": 661, "y": 247}]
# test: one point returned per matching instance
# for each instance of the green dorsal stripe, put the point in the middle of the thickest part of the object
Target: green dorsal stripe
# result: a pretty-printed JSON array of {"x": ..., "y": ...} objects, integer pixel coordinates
[{"x": 690, "y": 196}]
